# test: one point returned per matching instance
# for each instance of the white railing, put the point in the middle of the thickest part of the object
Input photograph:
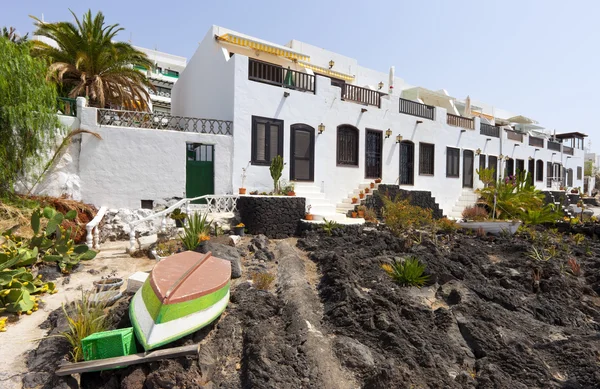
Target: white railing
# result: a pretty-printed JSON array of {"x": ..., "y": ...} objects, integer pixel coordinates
[
  {"x": 93, "y": 233},
  {"x": 214, "y": 204}
]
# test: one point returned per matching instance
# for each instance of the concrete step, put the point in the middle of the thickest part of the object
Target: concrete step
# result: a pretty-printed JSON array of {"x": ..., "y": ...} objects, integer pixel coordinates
[
  {"x": 322, "y": 209},
  {"x": 345, "y": 221},
  {"x": 458, "y": 209},
  {"x": 311, "y": 195},
  {"x": 314, "y": 202},
  {"x": 329, "y": 216},
  {"x": 302, "y": 188}
]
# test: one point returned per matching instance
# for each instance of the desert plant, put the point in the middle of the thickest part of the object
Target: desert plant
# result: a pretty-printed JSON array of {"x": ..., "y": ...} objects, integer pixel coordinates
[
  {"x": 370, "y": 215},
  {"x": 276, "y": 169},
  {"x": 475, "y": 213},
  {"x": 197, "y": 224},
  {"x": 546, "y": 214},
  {"x": 329, "y": 226},
  {"x": 446, "y": 225},
  {"x": 18, "y": 290},
  {"x": 84, "y": 318},
  {"x": 177, "y": 214},
  {"x": 401, "y": 215},
  {"x": 262, "y": 280},
  {"x": 574, "y": 266},
  {"x": 164, "y": 249},
  {"x": 244, "y": 173},
  {"x": 408, "y": 272}
]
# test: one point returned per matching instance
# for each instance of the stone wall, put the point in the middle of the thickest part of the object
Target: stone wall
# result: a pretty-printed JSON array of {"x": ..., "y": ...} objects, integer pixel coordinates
[
  {"x": 274, "y": 216},
  {"x": 420, "y": 198}
]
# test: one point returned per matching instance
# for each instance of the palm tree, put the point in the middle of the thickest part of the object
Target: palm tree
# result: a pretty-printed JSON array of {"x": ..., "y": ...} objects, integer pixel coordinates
[{"x": 86, "y": 62}]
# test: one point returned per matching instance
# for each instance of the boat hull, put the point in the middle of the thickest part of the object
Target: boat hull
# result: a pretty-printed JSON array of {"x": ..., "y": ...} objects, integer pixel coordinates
[
  {"x": 157, "y": 324},
  {"x": 495, "y": 227}
]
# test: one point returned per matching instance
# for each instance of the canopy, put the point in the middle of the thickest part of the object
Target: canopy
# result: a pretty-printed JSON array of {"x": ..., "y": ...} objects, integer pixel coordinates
[
  {"x": 521, "y": 120},
  {"x": 325, "y": 71},
  {"x": 260, "y": 45}
]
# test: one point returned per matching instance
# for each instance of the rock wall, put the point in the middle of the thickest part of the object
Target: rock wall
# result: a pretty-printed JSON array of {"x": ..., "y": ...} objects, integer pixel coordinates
[
  {"x": 421, "y": 198},
  {"x": 274, "y": 216}
]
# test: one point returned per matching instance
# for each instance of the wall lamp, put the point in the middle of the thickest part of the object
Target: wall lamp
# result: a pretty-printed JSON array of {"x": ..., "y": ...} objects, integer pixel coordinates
[
  {"x": 380, "y": 85},
  {"x": 419, "y": 121},
  {"x": 463, "y": 131},
  {"x": 478, "y": 151},
  {"x": 398, "y": 138},
  {"x": 530, "y": 158},
  {"x": 488, "y": 139},
  {"x": 501, "y": 156},
  {"x": 331, "y": 63},
  {"x": 388, "y": 133},
  {"x": 363, "y": 110},
  {"x": 321, "y": 128},
  {"x": 286, "y": 94}
]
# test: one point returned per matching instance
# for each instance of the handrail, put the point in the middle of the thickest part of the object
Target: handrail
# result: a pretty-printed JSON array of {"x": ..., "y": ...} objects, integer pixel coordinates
[
  {"x": 221, "y": 203},
  {"x": 93, "y": 233}
]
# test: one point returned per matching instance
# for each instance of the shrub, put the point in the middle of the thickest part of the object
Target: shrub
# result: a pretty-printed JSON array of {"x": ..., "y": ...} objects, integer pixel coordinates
[
  {"x": 197, "y": 224},
  {"x": 400, "y": 215},
  {"x": 446, "y": 225},
  {"x": 370, "y": 215},
  {"x": 177, "y": 214},
  {"x": 84, "y": 317},
  {"x": 408, "y": 272},
  {"x": 546, "y": 214},
  {"x": 574, "y": 266},
  {"x": 329, "y": 226},
  {"x": 262, "y": 280},
  {"x": 475, "y": 213}
]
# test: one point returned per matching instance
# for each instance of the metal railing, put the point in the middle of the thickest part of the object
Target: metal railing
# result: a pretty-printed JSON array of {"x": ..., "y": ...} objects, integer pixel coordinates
[
  {"x": 162, "y": 121},
  {"x": 553, "y": 145},
  {"x": 516, "y": 136},
  {"x": 489, "y": 130},
  {"x": 279, "y": 76},
  {"x": 414, "y": 108},
  {"x": 67, "y": 106},
  {"x": 568, "y": 150},
  {"x": 535, "y": 141},
  {"x": 555, "y": 183},
  {"x": 92, "y": 238},
  {"x": 459, "y": 121},
  {"x": 362, "y": 95},
  {"x": 159, "y": 93},
  {"x": 214, "y": 204}
]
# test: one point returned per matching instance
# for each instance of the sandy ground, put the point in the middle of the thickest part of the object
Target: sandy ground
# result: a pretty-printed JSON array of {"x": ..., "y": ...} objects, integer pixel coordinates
[{"x": 23, "y": 335}]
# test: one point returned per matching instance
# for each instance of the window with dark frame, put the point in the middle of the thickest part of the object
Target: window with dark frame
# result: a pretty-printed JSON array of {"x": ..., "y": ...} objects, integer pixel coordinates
[
  {"x": 579, "y": 172},
  {"x": 267, "y": 140},
  {"x": 549, "y": 174},
  {"x": 539, "y": 170},
  {"x": 520, "y": 166},
  {"x": 509, "y": 168},
  {"x": 482, "y": 159},
  {"x": 493, "y": 164},
  {"x": 426, "y": 159},
  {"x": 570, "y": 177},
  {"x": 452, "y": 162},
  {"x": 347, "y": 145}
]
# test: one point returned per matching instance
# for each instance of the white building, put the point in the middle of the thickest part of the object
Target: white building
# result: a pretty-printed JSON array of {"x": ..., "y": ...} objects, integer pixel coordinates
[{"x": 164, "y": 75}]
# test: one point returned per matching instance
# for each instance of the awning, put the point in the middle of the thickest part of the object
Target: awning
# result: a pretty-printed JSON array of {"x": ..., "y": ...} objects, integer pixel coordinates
[
  {"x": 257, "y": 44},
  {"x": 325, "y": 71}
]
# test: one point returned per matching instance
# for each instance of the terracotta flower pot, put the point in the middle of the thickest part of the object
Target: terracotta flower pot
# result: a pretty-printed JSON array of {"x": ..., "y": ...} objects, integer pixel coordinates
[
  {"x": 366, "y": 190},
  {"x": 354, "y": 214},
  {"x": 291, "y": 193},
  {"x": 308, "y": 216},
  {"x": 242, "y": 190},
  {"x": 372, "y": 185},
  {"x": 354, "y": 200},
  {"x": 377, "y": 181},
  {"x": 361, "y": 213},
  {"x": 362, "y": 195}
]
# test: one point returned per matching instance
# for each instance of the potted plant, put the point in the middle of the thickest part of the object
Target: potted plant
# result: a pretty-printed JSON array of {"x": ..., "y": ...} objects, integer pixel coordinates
[
  {"x": 361, "y": 210},
  {"x": 242, "y": 190},
  {"x": 367, "y": 190},
  {"x": 109, "y": 283},
  {"x": 353, "y": 214},
  {"x": 361, "y": 194},
  {"x": 254, "y": 192},
  {"x": 308, "y": 215},
  {"x": 203, "y": 237},
  {"x": 354, "y": 200},
  {"x": 166, "y": 249},
  {"x": 574, "y": 190},
  {"x": 378, "y": 180},
  {"x": 239, "y": 229},
  {"x": 289, "y": 189},
  {"x": 372, "y": 185},
  {"x": 178, "y": 216}
]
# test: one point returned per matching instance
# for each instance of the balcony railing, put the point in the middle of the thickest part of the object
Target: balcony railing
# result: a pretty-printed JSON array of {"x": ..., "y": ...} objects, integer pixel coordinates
[
  {"x": 67, "y": 106},
  {"x": 535, "y": 141},
  {"x": 459, "y": 121},
  {"x": 361, "y": 95},
  {"x": 159, "y": 93},
  {"x": 279, "y": 76},
  {"x": 553, "y": 145},
  {"x": 516, "y": 136},
  {"x": 160, "y": 121},
  {"x": 489, "y": 130},
  {"x": 410, "y": 107},
  {"x": 568, "y": 150}
]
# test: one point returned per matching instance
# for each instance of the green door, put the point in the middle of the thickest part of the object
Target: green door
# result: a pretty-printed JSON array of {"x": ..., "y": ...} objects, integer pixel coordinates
[{"x": 199, "y": 170}]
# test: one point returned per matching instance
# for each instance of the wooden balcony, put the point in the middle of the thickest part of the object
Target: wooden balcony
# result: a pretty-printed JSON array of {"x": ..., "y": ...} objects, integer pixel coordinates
[
  {"x": 413, "y": 108},
  {"x": 459, "y": 121},
  {"x": 568, "y": 150},
  {"x": 535, "y": 141},
  {"x": 553, "y": 145},
  {"x": 361, "y": 95},
  {"x": 489, "y": 130},
  {"x": 513, "y": 135},
  {"x": 277, "y": 75}
]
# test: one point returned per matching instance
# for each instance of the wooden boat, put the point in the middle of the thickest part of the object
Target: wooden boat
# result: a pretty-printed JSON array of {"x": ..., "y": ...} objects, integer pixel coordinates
[
  {"x": 495, "y": 227},
  {"x": 183, "y": 293}
]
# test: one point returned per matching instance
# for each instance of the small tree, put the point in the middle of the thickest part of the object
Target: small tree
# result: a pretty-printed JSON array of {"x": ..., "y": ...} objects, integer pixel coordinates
[
  {"x": 589, "y": 168},
  {"x": 276, "y": 170},
  {"x": 27, "y": 112}
]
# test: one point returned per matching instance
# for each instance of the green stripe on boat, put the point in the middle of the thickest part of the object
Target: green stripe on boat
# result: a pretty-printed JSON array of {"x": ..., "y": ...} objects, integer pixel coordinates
[{"x": 163, "y": 313}]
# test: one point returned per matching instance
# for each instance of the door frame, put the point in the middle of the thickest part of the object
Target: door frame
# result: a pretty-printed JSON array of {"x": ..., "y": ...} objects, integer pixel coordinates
[
  {"x": 212, "y": 161},
  {"x": 311, "y": 130},
  {"x": 465, "y": 167},
  {"x": 412, "y": 176},
  {"x": 380, "y": 133}
]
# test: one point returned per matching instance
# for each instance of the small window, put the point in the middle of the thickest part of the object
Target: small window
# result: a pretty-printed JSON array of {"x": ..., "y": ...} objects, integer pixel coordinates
[
  {"x": 549, "y": 174},
  {"x": 493, "y": 164},
  {"x": 452, "y": 162},
  {"x": 482, "y": 159},
  {"x": 347, "y": 146},
  {"x": 570, "y": 177},
  {"x": 539, "y": 170},
  {"x": 509, "y": 169},
  {"x": 267, "y": 140},
  {"x": 147, "y": 204},
  {"x": 579, "y": 172},
  {"x": 426, "y": 159}
]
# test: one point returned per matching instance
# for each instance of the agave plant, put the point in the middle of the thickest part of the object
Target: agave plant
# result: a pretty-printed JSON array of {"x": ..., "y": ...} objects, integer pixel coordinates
[
  {"x": 408, "y": 272},
  {"x": 86, "y": 62}
]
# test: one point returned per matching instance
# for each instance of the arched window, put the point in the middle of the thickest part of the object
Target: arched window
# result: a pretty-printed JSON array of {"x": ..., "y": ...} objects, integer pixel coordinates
[
  {"x": 539, "y": 170},
  {"x": 347, "y": 145}
]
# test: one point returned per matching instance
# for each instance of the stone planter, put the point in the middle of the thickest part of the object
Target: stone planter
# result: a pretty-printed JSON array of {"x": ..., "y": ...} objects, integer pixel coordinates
[
  {"x": 239, "y": 231},
  {"x": 108, "y": 284},
  {"x": 308, "y": 216},
  {"x": 493, "y": 227}
]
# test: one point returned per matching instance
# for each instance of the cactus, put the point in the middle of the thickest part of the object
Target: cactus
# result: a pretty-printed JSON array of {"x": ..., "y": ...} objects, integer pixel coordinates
[
  {"x": 276, "y": 169},
  {"x": 18, "y": 288}
]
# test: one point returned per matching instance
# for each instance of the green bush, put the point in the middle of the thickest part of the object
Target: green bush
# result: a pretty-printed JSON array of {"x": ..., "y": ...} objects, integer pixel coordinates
[
  {"x": 546, "y": 214},
  {"x": 329, "y": 226},
  {"x": 400, "y": 215},
  {"x": 197, "y": 225},
  {"x": 408, "y": 272}
]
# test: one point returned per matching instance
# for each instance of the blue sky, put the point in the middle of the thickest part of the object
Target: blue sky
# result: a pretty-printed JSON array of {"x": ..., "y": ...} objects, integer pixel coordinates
[{"x": 536, "y": 58}]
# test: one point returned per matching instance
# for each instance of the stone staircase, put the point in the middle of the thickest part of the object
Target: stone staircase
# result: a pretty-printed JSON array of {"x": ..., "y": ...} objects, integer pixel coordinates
[
  {"x": 321, "y": 208},
  {"x": 346, "y": 204},
  {"x": 467, "y": 198}
]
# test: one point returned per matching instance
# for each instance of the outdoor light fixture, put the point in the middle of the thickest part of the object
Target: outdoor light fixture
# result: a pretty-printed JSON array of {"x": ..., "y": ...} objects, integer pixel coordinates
[
  {"x": 419, "y": 121},
  {"x": 321, "y": 128},
  {"x": 463, "y": 131},
  {"x": 331, "y": 63},
  {"x": 363, "y": 110},
  {"x": 488, "y": 139},
  {"x": 398, "y": 138},
  {"x": 388, "y": 133},
  {"x": 501, "y": 156},
  {"x": 506, "y": 158},
  {"x": 286, "y": 94},
  {"x": 530, "y": 158},
  {"x": 380, "y": 84},
  {"x": 478, "y": 151}
]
